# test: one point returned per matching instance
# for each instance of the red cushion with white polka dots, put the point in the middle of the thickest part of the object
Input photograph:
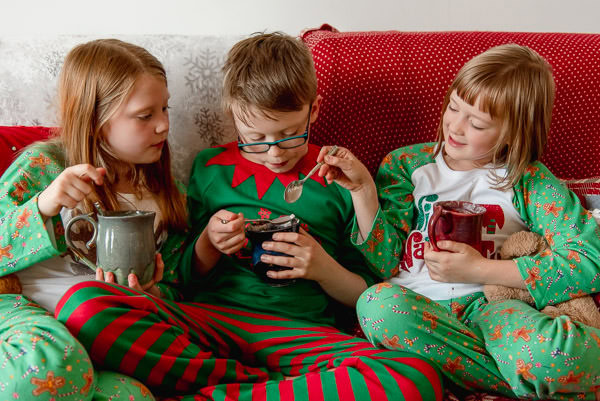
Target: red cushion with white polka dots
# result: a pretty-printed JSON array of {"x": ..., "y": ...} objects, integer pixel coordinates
[
  {"x": 14, "y": 138},
  {"x": 384, "y": 90}
]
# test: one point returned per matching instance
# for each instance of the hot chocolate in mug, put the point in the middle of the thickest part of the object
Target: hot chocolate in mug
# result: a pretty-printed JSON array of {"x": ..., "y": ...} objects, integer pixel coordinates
[
  {"x": 124, "y": 243},
  {"x": 259, "y": 231},
  {"x": 458, "y": 221}
]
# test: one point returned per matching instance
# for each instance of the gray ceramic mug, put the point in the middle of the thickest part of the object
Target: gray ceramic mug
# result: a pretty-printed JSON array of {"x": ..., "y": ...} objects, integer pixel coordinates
[{"x": 124, "y": 243}]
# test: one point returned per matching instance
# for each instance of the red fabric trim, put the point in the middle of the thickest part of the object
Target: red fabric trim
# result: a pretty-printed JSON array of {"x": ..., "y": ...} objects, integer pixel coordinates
[
  {"x": 15, "y": 138},
  {"x": 264, "y": 177}
]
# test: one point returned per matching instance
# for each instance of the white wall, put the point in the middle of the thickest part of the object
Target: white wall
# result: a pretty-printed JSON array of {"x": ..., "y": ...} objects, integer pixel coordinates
[{"x": 246, "y": 16}]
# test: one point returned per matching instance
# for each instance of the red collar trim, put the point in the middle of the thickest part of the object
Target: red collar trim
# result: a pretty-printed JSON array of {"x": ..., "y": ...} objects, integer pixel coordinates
[{"x": 264, "y": 177}]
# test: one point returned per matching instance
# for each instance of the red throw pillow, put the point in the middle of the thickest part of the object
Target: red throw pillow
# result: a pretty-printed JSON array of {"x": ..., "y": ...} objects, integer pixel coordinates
[{"x": 15, "y": 138}]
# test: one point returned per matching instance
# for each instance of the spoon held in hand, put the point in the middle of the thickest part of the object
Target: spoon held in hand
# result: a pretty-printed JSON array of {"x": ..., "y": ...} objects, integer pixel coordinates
[{"x": 294, "y": 189}]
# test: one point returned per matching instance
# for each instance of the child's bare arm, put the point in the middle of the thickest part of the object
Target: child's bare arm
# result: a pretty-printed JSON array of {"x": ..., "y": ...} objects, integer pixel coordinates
[
  {"x": 310, "y": 261},
  {"x": 224, "y": 234}
]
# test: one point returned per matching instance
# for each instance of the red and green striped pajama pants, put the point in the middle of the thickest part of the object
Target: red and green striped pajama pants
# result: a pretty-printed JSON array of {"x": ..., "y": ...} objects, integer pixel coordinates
[{"x": 225, "y": 353}]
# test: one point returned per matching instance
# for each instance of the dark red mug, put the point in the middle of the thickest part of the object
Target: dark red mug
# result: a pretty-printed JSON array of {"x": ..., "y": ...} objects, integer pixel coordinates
[{"x": 458, "y": 221}]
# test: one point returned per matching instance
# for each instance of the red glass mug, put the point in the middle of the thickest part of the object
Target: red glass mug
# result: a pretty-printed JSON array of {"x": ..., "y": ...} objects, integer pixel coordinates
[{"x": 458, "y": 221}]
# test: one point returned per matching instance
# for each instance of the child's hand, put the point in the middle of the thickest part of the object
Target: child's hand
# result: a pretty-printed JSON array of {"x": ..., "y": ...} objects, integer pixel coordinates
[
  {"x": 69, "y": 188},
  {"x": 455, "y": 263},
  {"x": 344, "y": 169},
  {"x": 225, "y": 231},
  {"x": 132, "y": 280},
  {"x": 307, "y": 259}
]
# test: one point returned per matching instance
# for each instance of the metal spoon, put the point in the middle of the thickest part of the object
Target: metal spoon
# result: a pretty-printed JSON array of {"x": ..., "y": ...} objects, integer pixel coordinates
[{"x": 294, "y": 189}]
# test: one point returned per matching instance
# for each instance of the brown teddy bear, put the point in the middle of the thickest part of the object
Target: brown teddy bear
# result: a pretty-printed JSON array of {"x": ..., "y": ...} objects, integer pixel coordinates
[
  {"x": 525, "y": 243},
  {"x": 10, "y": 284}
]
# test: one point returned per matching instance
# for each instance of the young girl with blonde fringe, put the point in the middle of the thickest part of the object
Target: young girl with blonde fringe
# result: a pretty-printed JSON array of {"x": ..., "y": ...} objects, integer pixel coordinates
[
  {"x": 495, "y": 120},
  {"x": 111, "y": 146}
]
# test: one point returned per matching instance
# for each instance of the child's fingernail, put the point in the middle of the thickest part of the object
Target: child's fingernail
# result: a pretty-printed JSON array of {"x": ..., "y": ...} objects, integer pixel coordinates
[
  {"x": 270, "y": 274},
  {"x": 266, "y": 245},
  {"x": 264, "y": 258}
]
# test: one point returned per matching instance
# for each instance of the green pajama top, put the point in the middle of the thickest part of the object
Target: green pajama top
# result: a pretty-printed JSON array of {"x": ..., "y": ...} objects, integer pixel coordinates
[
  {"x": 222, "y": 179},
  {"x": 24, "y": 239},
  {"x": 409, "y": 180}
]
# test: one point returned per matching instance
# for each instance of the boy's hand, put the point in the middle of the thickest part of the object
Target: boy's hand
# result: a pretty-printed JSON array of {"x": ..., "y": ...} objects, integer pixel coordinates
[
  {"x": 307, "y": 259},
  {"x": 225, "y": 231},
  {"x": 69, "y": 188},
  {"x": 455, "y": 263},
  {"x": 344, "y": 169}
]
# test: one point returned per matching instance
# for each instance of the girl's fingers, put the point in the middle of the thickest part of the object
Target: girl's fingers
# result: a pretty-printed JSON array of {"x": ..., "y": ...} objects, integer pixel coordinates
[
  {"x": 87, "y": 170},
  {"x": 133, "y": 282},
  {"x": 99, "y": 274},
  {"x": 110, "y": 277},
  {"x": 159, "y": 269}
]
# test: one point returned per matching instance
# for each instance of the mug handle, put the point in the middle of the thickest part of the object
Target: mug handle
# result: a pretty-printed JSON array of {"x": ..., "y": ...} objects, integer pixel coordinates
[
  {"x": 437, "y": 213},
  {"x": 88, "y": 244}
]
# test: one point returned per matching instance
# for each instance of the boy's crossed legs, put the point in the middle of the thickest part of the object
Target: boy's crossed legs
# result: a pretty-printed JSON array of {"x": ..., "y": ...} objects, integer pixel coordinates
[{"x": 218, "y": 351}]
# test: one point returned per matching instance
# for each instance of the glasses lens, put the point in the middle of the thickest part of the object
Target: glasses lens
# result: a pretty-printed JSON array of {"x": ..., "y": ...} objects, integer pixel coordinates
[
  {"x": 292, "y": 142},
  {"x": 258, "y": 148}
]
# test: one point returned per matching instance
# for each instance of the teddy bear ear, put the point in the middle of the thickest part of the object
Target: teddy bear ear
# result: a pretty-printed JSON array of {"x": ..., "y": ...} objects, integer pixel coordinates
[{"x": 521, "y": 243}]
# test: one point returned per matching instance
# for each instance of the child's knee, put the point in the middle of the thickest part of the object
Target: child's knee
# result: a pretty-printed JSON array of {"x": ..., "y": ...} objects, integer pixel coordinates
[
  {"x": 368, "y": 303},
  {"x": 42, "y": 357},
  {"x": 112, "y": 385}
]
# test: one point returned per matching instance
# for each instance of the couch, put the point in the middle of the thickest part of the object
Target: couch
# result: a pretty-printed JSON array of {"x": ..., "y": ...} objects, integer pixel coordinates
[{"x": 381, "y": 90}]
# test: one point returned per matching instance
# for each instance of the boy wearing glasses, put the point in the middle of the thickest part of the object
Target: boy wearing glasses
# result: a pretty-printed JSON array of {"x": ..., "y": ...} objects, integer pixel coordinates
[
  {"x": 270, "y": 91},
  {"x": 237, "y": 336}
]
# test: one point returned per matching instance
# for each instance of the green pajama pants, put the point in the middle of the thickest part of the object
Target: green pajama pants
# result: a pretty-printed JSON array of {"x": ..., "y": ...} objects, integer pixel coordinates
[
  {"x": 202, "y": 351},
  {"x": 40, "y": 360},
  {"x": 506, "y": 347}
]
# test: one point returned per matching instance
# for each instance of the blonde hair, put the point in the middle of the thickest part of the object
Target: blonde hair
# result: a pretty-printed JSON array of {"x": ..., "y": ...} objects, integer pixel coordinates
[
  {"x": 271, "y": 72},
  {"x": 514, "y": 85},
  {"x": 96, "y": 78}
]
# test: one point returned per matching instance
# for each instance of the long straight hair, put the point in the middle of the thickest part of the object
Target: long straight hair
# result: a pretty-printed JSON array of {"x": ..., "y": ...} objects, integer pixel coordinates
[
  {"x": 514, "y": 85},
  {"x": 95, "y": 80}
]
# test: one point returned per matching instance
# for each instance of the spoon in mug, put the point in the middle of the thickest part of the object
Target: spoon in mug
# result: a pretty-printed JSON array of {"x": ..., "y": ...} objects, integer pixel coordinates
[{"x": 294, "y": 189}]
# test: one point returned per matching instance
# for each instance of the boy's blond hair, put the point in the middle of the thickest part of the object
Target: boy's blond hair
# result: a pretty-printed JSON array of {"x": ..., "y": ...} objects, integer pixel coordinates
[
  {"x": 514, "y": 85},
  {"x": 268, "y": 72},
  {"x": 96, "y": 78}
]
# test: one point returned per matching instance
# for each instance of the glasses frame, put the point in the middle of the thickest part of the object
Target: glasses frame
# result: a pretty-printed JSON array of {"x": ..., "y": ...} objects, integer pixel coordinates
[{"x": 243, "y": 146}]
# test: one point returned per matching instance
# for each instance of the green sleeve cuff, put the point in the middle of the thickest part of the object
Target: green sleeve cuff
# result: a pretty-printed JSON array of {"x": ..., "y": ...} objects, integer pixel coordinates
[{"x": 355, "y": 236}]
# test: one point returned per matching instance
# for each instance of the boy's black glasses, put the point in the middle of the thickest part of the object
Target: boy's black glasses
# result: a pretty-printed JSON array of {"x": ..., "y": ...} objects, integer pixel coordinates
[{"x": 286, "y": 143}]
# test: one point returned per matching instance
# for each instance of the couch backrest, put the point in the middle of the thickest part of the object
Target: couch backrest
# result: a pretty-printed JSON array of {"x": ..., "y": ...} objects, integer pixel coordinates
[
  {"x": 29, "y": 68},
  {"x": 383, "y": 90}
]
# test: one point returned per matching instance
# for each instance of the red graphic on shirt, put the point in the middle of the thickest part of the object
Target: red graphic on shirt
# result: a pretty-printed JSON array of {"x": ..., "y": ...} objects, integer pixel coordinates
[
  {"x": 264, "y": 213},
  {"x": 414, "y": 249},
  {"x": 264, "y": 177},
  {"x": 493, "y": 217}
]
